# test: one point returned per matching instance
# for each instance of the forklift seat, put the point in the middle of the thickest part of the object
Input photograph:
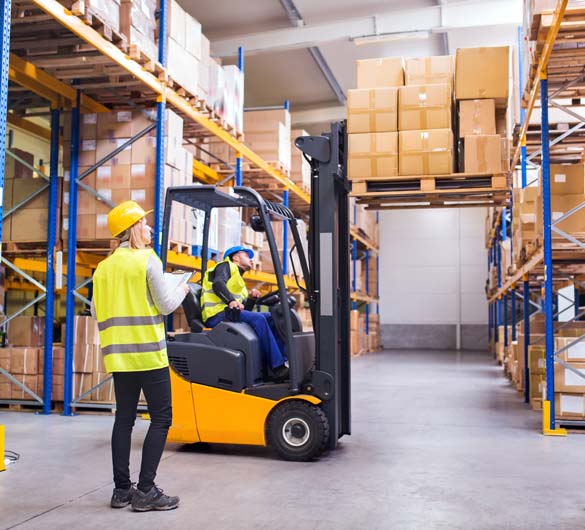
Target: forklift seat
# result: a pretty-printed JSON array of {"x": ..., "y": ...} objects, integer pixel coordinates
[{"x": 192, "y": 308}]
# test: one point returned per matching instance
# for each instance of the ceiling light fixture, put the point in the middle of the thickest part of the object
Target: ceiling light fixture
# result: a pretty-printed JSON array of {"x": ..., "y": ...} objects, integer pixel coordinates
[{"x": 390, "y": 37}]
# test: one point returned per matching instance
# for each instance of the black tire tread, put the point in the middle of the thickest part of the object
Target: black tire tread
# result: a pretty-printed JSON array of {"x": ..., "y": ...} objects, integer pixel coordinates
[{"x": 290, "y": 407}]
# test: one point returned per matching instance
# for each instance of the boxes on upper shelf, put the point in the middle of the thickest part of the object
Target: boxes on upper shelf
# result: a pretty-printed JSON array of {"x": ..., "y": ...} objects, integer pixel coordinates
[
  {"x": 483, "y": 154},
  {"x": 422, "y": 107},
  {"x": 483, "y": 73},
  {"x": 372, "y": 110},
  {"x": 380, "y": 73},
  {"x": 372, "y": 155},
  {"x": 567, "y": 179},
  {"x": 426, "y": 152},
  {"x": 477, "y": 116},
  {"x": 429, "y": 70}
]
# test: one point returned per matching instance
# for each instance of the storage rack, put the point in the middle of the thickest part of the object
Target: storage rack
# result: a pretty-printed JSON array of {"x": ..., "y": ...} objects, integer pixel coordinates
[
  {"x": 553, "y": 266},
  {"x": 139, "y": 85}
]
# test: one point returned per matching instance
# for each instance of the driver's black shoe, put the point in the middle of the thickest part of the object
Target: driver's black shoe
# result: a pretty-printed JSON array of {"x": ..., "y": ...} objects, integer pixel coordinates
[{"x": 280, "y": 373}]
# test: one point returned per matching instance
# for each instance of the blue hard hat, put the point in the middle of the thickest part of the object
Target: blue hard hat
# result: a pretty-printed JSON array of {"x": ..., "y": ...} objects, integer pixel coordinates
[{"x": 238, "y": 248}]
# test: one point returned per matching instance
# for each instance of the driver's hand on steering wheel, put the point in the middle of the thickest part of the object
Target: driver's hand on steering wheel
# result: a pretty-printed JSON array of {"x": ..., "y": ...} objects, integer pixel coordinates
[
  {"x": 235, "y": 304},
  {"x": 255, "y": 293}
]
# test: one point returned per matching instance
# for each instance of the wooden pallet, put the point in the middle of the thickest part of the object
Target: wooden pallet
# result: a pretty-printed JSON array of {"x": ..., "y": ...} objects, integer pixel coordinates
[
  {"x": 97, "y": 22},
  {"x": 428, "y": 183},
  {"x": 180, "y": 247}
]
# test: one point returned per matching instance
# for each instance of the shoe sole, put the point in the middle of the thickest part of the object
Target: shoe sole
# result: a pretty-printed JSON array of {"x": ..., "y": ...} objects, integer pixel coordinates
[
  {"x": 118, "y": 506},
  {"x": 155, "y": 509}
]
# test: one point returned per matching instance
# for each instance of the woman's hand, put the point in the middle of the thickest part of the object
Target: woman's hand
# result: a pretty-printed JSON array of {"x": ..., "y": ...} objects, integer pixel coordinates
[{"x": 185, "y": 288}]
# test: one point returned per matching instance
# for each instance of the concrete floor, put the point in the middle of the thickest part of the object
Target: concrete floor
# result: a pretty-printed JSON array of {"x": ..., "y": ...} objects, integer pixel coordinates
[{"x": 440, "y": 441}]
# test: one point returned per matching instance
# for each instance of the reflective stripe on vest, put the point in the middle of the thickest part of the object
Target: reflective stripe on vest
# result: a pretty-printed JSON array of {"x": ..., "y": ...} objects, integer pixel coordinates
[
  {"x": 211, "y": 304},
  {"x": 132, "y": 331}
]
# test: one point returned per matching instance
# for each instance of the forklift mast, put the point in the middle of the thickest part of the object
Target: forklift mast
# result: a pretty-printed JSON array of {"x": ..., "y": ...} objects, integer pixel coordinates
[{"x": 329, "y": 252}]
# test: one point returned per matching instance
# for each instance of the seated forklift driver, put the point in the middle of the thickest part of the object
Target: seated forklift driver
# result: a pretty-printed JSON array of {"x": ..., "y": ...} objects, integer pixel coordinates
[{"x": 223, "y": 287}]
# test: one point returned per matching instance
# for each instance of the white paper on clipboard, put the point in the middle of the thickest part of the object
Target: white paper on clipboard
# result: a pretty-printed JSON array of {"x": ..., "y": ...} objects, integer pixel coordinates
[{"x": 174, "y": 279}]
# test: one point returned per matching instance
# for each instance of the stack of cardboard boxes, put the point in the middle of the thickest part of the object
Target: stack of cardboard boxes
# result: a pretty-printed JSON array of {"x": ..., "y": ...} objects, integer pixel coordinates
[
  {"x": 372, "y": 119},
  {"x": 526, "y": 223},
  {"x": 482, "y": 78},
  {"x": 138, "y": 22},
  {"x": 415, "y": 98},
  {"x": 425, "y": 118},
  {"x": 130, "y": 174}
]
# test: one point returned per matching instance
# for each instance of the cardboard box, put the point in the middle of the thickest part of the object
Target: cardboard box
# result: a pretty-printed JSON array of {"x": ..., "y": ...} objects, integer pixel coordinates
[
  {"x": 84, "y": 357},
  {"x": 483, "y": 154},
  {"x": 24, "y": 360},
  {"x": 116, "y": 177},
  {"x": 422, "y": 107},
  {"x": 567, "y": 380},
  {"x": 372, "y": 110},
  {"x": 24, "y": 187},
  {"x": 430, "y": 70},
  {"x": 26, "y": 331},
  {"x": 560, "y": 205},
  {"x": 29, "y": 225},
  {"x": 5, "y": 389},
  {"x": 426, "y": 152},
  {"x": 86, "y": 330},
  {"x": 5, "y": 354},
  {"x": 58, "y": 360},
  {"x": 483, "y": 73},
  {"x": 30, "y": 381},
  {"x": 81, "y": 384},
  {"x": 380, "y": 73},
  {"x": 574, "y": 354},
  {"x": 477, "y": 116},
  {"x": 372, "y": 155},
  {"x": 354, "y": 317},
  {"x": 567, "y": 179},
  {"x": 104, "y": 392},
  {"x": 569, "y": 406}
]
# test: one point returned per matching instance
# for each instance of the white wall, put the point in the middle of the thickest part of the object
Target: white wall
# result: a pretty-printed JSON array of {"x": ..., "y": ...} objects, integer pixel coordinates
[{"x": 433, "y": 267}]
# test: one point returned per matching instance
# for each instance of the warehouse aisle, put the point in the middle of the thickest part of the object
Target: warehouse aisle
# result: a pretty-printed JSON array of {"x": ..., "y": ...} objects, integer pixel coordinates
[{"x": 440, "y": 441}]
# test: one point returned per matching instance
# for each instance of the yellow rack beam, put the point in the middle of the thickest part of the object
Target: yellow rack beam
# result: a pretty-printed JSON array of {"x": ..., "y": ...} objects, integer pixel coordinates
[
  {"x": 40, "y": 82},
  {"x": 523, "y": 271},
  {"x": 363, "y": 240},
  {"x": 204, "y": 173},
  {"x": 92, "y": 37},
  {"x": 30, "y": 127},
  {"x": 549, "y": 43},
  {"x": 362, "y": 297},
  {"x": 35, "y": 265}
]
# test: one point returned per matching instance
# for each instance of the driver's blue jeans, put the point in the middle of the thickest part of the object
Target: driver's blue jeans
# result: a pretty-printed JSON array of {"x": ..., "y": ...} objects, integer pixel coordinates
[{"x": 271, "y": 344}]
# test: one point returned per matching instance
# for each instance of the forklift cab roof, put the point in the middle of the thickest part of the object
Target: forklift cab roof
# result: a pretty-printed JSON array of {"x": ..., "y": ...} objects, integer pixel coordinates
[{"x": 206, "y": 198}]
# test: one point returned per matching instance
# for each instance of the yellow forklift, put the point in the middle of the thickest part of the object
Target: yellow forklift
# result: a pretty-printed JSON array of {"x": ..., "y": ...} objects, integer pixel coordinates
[{"x": 219, "y": 389}]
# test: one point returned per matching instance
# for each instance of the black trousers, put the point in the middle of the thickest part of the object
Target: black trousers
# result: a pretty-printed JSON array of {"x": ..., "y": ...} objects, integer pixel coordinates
[{"x": 156, "y": 385}]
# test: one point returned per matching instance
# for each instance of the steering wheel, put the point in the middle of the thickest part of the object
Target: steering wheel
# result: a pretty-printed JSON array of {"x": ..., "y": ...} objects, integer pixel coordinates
[{"x": 273, "y": 298}]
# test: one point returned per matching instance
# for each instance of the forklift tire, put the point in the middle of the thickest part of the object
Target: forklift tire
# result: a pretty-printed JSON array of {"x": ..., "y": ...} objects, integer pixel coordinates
[{"x": 298, "y": 431}]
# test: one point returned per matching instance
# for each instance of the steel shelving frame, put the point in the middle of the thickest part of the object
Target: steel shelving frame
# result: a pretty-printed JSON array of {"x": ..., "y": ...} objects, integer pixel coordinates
[
  {"x": 40, "y": 81},
  {"x": 543, "y": 258}
]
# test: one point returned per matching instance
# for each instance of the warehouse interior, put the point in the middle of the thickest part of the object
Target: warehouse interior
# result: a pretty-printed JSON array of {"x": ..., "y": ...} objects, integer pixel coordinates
[{"x": 410, "y": 176}]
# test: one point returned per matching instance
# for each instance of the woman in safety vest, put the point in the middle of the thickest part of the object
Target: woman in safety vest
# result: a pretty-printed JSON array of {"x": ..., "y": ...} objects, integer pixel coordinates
[{"x": 129, "y": 301}]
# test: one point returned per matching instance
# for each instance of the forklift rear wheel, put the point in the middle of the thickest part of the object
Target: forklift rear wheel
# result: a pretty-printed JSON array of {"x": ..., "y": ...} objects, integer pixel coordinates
[{"x": 298, "y": 430}]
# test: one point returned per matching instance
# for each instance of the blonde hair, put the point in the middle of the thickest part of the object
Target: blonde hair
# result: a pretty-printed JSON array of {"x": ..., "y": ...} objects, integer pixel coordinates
[{"x": 133, "y": 236}]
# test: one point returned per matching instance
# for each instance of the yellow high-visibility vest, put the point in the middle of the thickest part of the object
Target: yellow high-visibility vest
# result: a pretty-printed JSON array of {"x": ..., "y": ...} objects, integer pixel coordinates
[
  {"x": 132, "y": 331},
  {"x": 211, "y": 304}
]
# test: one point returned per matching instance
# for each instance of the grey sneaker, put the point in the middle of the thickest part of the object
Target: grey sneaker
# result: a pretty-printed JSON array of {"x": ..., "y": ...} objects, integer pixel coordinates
[
  {"x": 155, "y": 499},
  {"x": 122, "y": 497}
]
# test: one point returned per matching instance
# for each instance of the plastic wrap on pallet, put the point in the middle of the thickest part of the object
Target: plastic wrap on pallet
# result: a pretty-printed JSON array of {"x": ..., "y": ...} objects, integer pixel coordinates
[
  {"x": 234, "y": 97},
  {"x": 108, "y": 11},
  {"x": 216, "y": 87},
  {"x": 229, "y": 228}
]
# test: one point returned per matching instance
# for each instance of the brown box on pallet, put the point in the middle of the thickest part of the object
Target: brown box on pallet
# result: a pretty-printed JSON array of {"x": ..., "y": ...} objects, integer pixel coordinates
[
  {"x": 81, "y": 383},
  {"x": 105, "y": 146},
  {"x": 106, "y": 391},
  {"x": 422, "y": 107},
  {"x": 83, "y": 358},
  {"x": 560, "y": 205},
  {"x": 5, "y": 355},
  {"x": 566, "y": 380},
  {"x": 86, "y": 330},
  {"x": 15, "y": 169},
  {"x": 483, "y": 73},
  {"x": 24, "y": 360},
  {"x": 567, "y": 179},
  {"x": 144, "y": 150},
  {"x": 28, "y": 380},
  {"x": 483, "y": 154},
  {"x": 477, "y": 116},
  {"x": 5, "y": 389},
  {"x": 58, "y": 359},
  {"x": 380, "y": 73},
  {"x": 26, "y": 331},
  {"x": 372, "y": 155},
  {"x": 23, "y": 188},
  {"x": 372, "y": 110},
  {"x": 570, "y": 406},
  {"x": 427, "y": 152},
  {"x": 575, "y": 353},
  {"x": 430, "y": 70},
  {"x": 116, "y": 177},
  {"x": 354, "y": 319},
  {"x": 29, "y": 225}
]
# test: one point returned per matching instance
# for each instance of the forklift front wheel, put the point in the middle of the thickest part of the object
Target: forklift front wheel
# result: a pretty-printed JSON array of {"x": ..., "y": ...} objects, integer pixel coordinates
[{"x": 298, "y": 430}]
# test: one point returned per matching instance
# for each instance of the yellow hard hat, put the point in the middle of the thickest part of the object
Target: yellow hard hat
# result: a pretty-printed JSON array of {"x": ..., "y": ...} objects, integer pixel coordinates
[{"x": 125, "y": 215}]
